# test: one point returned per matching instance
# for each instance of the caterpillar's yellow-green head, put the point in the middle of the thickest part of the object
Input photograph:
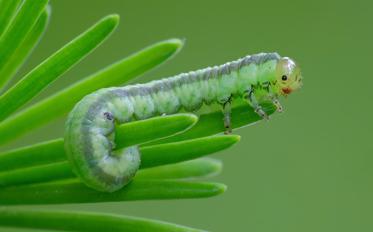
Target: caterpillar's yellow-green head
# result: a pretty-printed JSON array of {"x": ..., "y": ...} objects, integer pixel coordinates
[{"x": 288, "y": 76}]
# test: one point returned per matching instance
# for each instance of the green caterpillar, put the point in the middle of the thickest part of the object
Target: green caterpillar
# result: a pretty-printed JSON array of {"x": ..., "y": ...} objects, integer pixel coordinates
[{"x": 89, "y": 130}]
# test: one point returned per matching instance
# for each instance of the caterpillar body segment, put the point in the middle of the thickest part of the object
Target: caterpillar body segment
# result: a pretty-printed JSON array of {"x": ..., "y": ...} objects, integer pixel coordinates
[{"x": 89, "y": 130}]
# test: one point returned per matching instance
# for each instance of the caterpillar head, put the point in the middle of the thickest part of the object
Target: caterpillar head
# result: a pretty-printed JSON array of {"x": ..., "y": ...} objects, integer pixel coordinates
[{"x": 288, "y": 76}]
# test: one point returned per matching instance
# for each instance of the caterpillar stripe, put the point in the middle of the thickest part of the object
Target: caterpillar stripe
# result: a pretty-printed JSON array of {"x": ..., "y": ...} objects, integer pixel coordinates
[{"x": 89, "y": 130}]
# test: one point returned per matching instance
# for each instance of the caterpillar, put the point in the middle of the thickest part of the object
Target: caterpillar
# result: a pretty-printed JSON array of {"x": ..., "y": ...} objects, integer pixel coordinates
[{"x": 89, "y": 129}]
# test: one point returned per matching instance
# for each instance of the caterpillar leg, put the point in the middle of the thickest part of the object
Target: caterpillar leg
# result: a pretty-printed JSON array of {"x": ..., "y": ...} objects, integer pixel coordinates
[
  {"x": 250, "y": 97},
  {"x": 274, "y": 98},
  {"x": 227, "y": 116},
  {"x": 278, "y": 105}
]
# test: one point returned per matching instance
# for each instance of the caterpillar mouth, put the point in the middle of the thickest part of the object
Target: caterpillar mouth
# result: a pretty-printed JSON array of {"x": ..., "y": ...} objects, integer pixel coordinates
[{"x": 287, "y": 90}]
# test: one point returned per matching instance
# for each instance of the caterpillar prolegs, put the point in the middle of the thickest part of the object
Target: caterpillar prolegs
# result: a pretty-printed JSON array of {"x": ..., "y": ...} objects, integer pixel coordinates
[{"x": 89, "y": 130}]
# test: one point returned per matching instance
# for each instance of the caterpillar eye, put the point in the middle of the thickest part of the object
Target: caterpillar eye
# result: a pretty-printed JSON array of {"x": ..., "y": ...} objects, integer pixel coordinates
[{"x": 284, "y": 77}]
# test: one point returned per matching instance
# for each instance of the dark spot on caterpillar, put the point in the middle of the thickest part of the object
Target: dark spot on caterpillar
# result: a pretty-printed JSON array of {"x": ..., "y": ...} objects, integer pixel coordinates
[
  {"x": 108, "y": 116},
  {"x": 284, "y": 77}
]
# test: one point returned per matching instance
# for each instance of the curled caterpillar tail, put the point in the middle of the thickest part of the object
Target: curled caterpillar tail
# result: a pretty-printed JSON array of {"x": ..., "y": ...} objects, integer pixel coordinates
[{"x": 89, "y": 142}]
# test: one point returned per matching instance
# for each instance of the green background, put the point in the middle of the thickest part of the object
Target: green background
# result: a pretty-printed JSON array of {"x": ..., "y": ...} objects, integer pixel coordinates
[{"x": 307, "y": 169}]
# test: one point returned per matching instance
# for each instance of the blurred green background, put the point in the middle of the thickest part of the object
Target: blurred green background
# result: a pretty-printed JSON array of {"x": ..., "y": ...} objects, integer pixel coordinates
[{"x": 308, "y": 169}]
